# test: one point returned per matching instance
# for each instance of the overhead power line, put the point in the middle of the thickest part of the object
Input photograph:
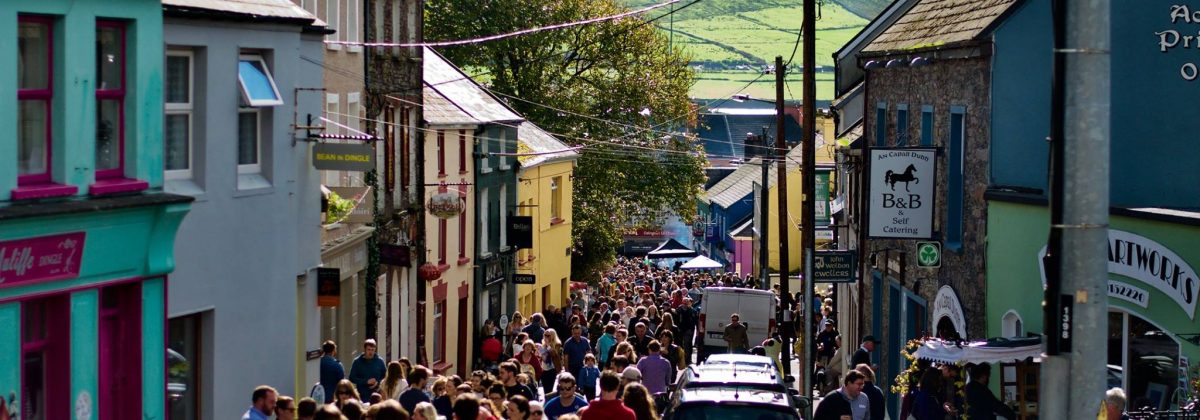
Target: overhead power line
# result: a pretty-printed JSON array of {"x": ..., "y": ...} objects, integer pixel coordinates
[{"x": 509, "y": 34}]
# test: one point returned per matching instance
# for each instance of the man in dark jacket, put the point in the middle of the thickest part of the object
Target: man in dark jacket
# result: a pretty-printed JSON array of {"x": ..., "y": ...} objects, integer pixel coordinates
[
  {"x": 981, "y": 403},
  {"x": 332, "y": 370},
  {"x": 686, "y": 322},
  {"x": 874, "y": 394},
  {"x": 845, "y": 402},
  {"x": 863, "y": 354}
]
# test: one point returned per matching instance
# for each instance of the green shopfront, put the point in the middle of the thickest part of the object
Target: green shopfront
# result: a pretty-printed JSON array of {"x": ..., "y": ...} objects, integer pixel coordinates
[{"x": 1152, "y": 292}]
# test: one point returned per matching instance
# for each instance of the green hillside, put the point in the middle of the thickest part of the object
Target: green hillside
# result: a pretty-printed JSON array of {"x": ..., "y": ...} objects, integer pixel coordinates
[{"x": 732, "y": 40}]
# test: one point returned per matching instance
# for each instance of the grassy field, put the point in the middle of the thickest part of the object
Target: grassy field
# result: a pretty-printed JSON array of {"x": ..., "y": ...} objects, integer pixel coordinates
[{"x": 731, "y": 40}]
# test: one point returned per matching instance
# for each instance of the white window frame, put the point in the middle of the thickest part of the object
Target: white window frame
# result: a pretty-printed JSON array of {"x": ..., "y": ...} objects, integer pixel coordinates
[
  {"x": 354, "y": 111},
  {"x": 332, "y": 15},
  {"x": 253, "y": 168},
  {"x": 484, "y": 159},
  {"x": 503, "y": 159},
  {"x": 183, "y": 108},
  {"x": 270, "y": 78},
  {"x": 438, "y": 313},
  {"x": 555, "y": 206},
  {"x": 503, "y": 216},
  {"x": 353, "y": 33},
  {"x": 484, "y": 243}
]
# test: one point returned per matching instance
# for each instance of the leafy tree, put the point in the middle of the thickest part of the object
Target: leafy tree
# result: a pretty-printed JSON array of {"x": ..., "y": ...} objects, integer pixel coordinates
[{"x": 615, "y": 87}]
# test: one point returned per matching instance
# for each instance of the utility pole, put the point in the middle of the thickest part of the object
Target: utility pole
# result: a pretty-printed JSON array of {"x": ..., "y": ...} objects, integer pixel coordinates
[
  {"x": 1076, "y": 299},
  {"x": 781, "y": 183},
  {"x": 809, "y": 157}
]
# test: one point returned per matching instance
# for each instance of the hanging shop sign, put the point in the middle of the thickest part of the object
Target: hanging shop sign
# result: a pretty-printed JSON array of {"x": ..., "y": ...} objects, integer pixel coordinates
[
  {"x": 395, "y": 255},
  {"x": 822, "y": 192},
  {"x": 524, "y": 279},
  {"x": 493, "y": 273},
  {"x": 833, "y": 267},
  {"x": 356, "y": 157},
  {"x": 929, "y": 254},
  {"x": 364, "y": 207},
  {"x": 446, "y": 204},
  {"x": 1140, "y": 258},
  {"x": 902, "y": 198},
  {"x": 520, "y": 231},
  {"x": 44, "y": 258},
  {"x": 329, "y": 287},
  {"x": 946, "y": 305}
]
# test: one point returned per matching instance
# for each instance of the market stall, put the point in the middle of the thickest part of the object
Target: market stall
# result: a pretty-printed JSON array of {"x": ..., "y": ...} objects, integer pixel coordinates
[{"x": 1019, "y": 360}]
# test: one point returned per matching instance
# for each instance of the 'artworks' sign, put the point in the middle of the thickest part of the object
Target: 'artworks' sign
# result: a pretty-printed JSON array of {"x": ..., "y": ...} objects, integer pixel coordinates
[
  {"x": 43, "y": 258},
  {"x": 1142, "y": 259},
  {"x": 902, "y": 200}
]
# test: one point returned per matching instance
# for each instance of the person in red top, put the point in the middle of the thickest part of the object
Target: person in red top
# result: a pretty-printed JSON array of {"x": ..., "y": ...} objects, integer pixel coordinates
[
  {"x": 607, "y": 407},
  {"x": 490, "y": 350}
]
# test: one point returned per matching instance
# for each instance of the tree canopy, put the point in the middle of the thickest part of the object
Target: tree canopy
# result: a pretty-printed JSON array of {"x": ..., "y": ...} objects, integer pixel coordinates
[{"x": 615, "y": 87}]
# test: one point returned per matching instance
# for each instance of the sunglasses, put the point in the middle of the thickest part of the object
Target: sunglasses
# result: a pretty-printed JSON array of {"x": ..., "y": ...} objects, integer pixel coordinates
[{"x": 536, "y": 413}]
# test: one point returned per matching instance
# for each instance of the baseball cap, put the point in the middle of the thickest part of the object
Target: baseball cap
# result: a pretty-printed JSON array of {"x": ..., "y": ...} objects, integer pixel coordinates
[
  {"x": 871, "y": 338},
  {"x": 631, "y": 374}
]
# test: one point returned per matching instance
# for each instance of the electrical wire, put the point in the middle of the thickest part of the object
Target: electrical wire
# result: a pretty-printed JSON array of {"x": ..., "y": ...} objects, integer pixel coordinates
[{"x": 480, "y": 40}]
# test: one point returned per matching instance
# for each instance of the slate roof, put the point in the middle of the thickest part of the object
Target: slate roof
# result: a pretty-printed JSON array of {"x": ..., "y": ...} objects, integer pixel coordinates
[
  {"x": 441, "y": 111},
  {"x": 739, "y": 184},
  {"x": 724, "y": 135},
  {"x": 533, "y": 139},
  {"x": 933, "y": 23},
  {"x": 456, "y": 87},
  {"x": 744, "y": 229},
  {"x": 277, "y": 9}
]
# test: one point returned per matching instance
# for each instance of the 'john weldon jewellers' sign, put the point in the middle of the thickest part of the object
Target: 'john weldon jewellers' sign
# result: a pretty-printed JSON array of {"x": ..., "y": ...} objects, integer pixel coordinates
[
  {"x": 1140, "y": 258},
  {"x": 902, "y": 199}
]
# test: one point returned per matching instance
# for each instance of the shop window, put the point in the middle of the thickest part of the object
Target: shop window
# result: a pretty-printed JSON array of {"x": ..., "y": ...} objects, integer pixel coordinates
[
  {"x": 332, "y": 15},
  {"x": 1151, "y": 367},
  {"x": 120, "y": 352},
  {"x": 439, "y": 331},
  {"x": 177, "y": 123},
  {"x": 442, "y": 241},
  {"x": 483, "y": 151},
  {"x": 184, "y": 367},
  {"x": 881, "y": 124},
  {"x": 35, "y": 91},
  {"x": 45, "y": 357},
  {"x": 502, "y": 147},
  {"x": 902, "y": 125},
  {"x": 503, "y": 216},
  {"x": 254, "y": 77},
  {"x": 462, "y": 237},
  {"x": 441, "y": 153},
  {"x": 249, "y": 141},
  {"x": 110, "y": 100},
  {"x": 483, "y": 235},
  {"x": 926, "y": 125},
  {"x": 954, "y": 195},
  {"x": 462, "y": 151}
]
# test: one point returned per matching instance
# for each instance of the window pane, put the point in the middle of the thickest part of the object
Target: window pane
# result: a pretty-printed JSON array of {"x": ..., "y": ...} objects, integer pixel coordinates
[
  {"x": 34, "y": 46},
  {"x": 108, "y": 134},
  {"x": 176, "y": 139},
  {"x": 256, "y": 81},
  {"x": 183, "y": 353},
  {"x": 247, "y": 138},
  {"x": 178, "y": 83},
  {"x": 31, "y": 149},
  {"x": 33, "y": 394},
  {"x": 109, "y": 59}
]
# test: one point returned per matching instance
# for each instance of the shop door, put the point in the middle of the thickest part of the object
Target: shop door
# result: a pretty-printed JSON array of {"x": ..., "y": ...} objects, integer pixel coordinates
[
  {"x": 463, "y": 335},
  {"x": 893, "y": 344},
  {"x": 120, "y": 352},
  {"x": 1149, "y": 365}
]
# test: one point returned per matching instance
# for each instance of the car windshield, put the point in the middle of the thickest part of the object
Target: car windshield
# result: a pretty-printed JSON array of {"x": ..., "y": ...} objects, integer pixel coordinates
[{"x": 734, "y": 412}]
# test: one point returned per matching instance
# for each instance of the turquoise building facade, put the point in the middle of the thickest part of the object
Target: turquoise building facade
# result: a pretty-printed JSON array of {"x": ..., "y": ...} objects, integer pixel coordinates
[{"x": 86, "y": 233}]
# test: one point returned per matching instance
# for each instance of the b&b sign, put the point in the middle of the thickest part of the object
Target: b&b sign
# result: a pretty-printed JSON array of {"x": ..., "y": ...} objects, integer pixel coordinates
[{"x": 902, "y": 200}]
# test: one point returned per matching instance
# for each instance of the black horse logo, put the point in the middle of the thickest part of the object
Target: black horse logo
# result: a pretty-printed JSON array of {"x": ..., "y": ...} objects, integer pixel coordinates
[{"x": 906, "y": 177}]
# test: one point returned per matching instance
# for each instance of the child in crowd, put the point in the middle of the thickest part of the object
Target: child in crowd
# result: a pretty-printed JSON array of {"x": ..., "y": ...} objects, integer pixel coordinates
[{"x": 588, "y": 376}]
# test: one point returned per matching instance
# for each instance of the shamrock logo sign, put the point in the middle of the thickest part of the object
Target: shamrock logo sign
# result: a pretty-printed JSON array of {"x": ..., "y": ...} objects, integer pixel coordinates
[{"x": 929, "y": 254}]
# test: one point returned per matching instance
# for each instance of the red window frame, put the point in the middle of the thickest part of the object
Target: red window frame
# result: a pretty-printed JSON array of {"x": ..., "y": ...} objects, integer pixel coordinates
[
  {"x": 440, "y": 337},
  {"x": 54, "y": 347},
  {"x": 441, "y": 241},
  {"x": 46, "y": 95},
  {"x": 462, "y": 237},
  {"x": 462, "y": 151},
  {"x": 117, "y": 95},
  {"x": 441, "y": 145}
]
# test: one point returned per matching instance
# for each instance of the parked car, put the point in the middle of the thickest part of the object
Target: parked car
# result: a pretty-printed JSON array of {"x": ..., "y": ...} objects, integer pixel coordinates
[
  {"x": 746, "y": 371},
  {"x": 730, "y": 403},
  {"x": 755, "y": 308}
]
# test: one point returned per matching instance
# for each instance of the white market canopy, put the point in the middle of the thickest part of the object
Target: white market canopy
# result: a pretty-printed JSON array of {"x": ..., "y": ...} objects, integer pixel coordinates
[
  {"x": 996, "y": 350},
  {"x": 701, "y": 263}
]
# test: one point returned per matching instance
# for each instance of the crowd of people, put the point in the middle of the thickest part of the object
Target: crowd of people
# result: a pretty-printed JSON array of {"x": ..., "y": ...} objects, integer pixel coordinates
[{"x": 603, "y": 353}]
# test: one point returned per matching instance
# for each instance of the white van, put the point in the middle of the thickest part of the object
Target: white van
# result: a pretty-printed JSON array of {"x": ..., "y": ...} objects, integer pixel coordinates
[{"x": 755, "y": 308}]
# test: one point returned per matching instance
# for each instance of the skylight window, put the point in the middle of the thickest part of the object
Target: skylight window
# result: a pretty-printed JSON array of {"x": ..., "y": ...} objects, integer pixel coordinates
[{"x": 258, "y": 87}]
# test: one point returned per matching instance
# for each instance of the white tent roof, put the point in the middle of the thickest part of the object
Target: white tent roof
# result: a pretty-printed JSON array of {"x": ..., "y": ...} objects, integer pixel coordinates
[
  {"x": 992, "y": 351},
  {"x": 701, "y": 263}
]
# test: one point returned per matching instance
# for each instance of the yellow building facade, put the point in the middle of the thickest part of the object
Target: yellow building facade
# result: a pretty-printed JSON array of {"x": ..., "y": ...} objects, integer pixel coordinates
[
  {"x": 795, "y": 198},
  {"x": 545, "y": 185}
]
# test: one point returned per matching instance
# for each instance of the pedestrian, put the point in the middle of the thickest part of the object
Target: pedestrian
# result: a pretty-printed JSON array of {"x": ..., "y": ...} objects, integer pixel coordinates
[
  {"x": 262, "y": 403},
  {"x": 863, "y": 354},
  {"x": 735, "y": 335},
  {"x": 833, "y": 371},
  {"x": 332, "y": 370},
  {"x": 285, "y": 408},
  {"x": 1114, "y": 404},
  {"x": 528, "y": 359},
  {"x": 673, "y": 353},
  {"x": 621, "y": 337},
  {"x": 687, "y": 327},
  {"x": 874, "y": 394},
  {"x": 552, "y": 360},
  {"x": 588, "y": 376},
  {"x": 466, "y": 407},
  {"x": 981, "y": 403},
  {"x": 367, "y": 369},
  {"x": 640, "y": 340},
  {"x": 497, "y": 395},
  {"x": 518, "y": 408},
  {"x": 656, "y": 370},
  {"x": 345, "y": 391},
  {"x": 772, "y": 347},
  {"x": 393, "y": 384},
  {"x": 508, "y": 380},
  {"x": 353, "y": 410},
  {"x": 847, "y": 402},
  {"x": 575, "y": 349},
  {"x": 567, "y": 401},
  {"x": 306, "y": 408},
  {"x": 536, "y": 411},
  {"x": 328, "y": 412},
  {"x": 607, "y": 407},
  {"x": 536, "y": 327},
  {"x": 444, "y": 404},
  {"x": 386, "y": 410},
  {"x": 927, "y": 404},
  {"x": 606, "y": 343},
  {"x": 825, "y": 344},
  {"x": 424, "y": 411},
  {"x": 415, "y": 393},
  {"x": 638, "y": 398}
]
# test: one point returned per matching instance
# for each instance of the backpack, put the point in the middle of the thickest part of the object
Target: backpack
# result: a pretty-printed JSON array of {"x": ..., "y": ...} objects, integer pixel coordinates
[{"x": 317, "y": 393}]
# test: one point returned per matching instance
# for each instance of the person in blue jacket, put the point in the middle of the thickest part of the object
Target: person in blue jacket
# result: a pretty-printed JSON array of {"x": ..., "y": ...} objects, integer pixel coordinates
[
  {"x": 332, "y": 370},
  {"x": 367, "y": 370}
]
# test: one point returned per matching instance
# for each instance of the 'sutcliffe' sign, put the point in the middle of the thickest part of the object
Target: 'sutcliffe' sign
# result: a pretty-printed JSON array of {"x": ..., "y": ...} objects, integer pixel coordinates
[
  {"x": 833, "y": 267},
  {"x": 44, "y": 258},
  {"x": 902, "y": 193},
  {"x": 343, "y": 157}
]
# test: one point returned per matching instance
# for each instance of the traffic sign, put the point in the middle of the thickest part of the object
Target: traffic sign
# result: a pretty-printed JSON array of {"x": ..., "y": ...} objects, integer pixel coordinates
[
  {"x": 833, "y": 267},
  {"x": 929, "y": 254}
]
